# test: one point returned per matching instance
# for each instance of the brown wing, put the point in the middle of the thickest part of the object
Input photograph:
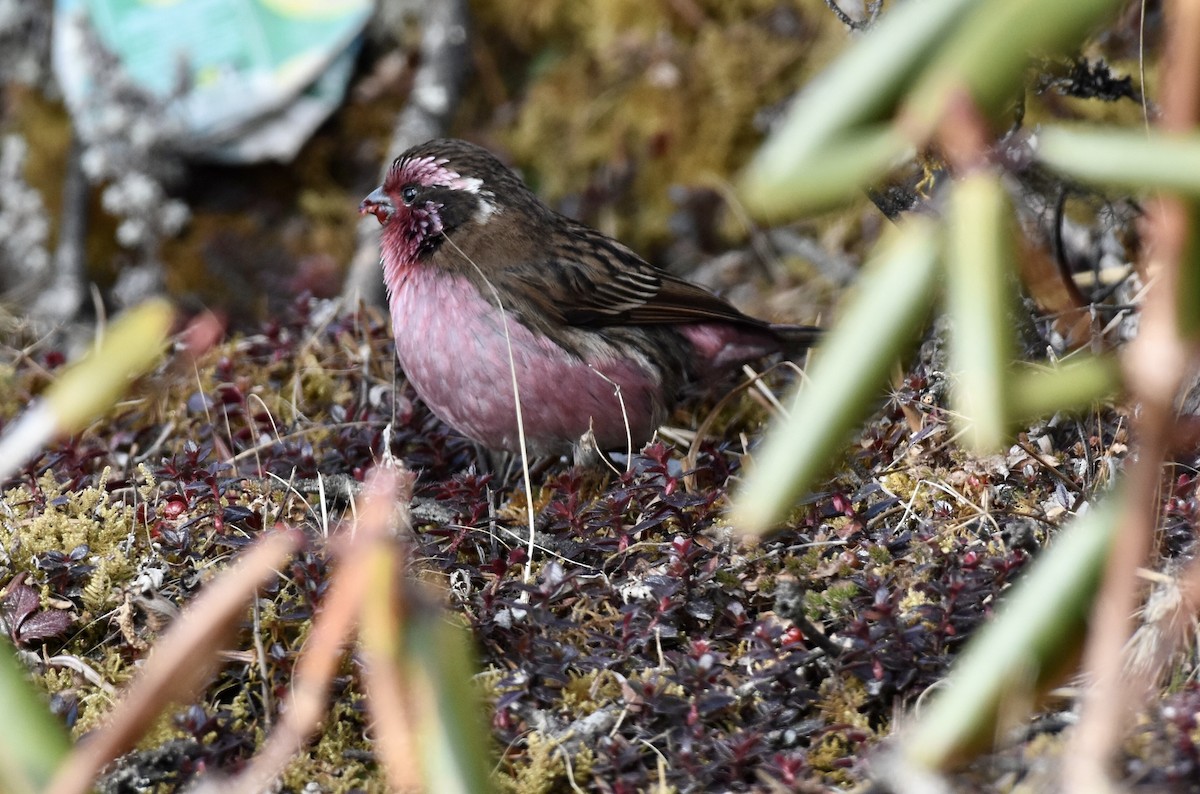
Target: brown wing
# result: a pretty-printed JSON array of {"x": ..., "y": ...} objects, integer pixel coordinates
[{"x": 599, "y": 282}]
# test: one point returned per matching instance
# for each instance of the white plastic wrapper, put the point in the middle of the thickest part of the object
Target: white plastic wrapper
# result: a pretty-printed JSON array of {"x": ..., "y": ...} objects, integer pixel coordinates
[{"x": 244, "y": 80}]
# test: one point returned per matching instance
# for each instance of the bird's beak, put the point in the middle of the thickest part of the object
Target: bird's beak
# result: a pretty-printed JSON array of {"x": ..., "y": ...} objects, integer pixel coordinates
[{"x": 379, "y": 205}]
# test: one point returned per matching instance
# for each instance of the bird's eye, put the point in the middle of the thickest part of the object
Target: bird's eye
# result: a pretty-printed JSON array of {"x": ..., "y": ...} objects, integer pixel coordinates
[{"x": 409, "y": 194}]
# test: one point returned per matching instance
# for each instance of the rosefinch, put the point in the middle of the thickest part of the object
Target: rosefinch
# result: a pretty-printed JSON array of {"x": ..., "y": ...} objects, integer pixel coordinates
[{"x": 600, "y": 340}]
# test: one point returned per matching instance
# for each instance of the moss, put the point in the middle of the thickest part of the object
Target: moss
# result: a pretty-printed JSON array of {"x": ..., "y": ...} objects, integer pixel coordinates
[
  {"x": 10, "y": 394},
  {"x": 826, "y": 758},
  {"x": 163, "y": 730},
  {"x": 730, "y": 579},
  {"x": 339, "y": 759},
  {"x": 834, "y": 599},
  {"x": 647, "y": 97},
  {"x": 804, "y": 564},
  {"x": 70, "y": 519},
  {"x": 102, "y": 590},
  {"x": 904, "y": 485},
  {"x": 488, "y": 681},
  {"x": 841, "y": 700},
  {"x": 316, "y": 383},
  {"x": 246, "y": 706},
  {"x": 545, "y": 767},
  {"x": 880, "y": 556},
  {"x": 584, "y": 694},
  {"x": 93, "y": 703},
  {"x": 913, "y": 599}
]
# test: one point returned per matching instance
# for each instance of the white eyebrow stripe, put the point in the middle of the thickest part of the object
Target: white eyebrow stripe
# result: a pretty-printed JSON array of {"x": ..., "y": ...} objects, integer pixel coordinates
[
  {"x": 431, "y": 171},
  {"x": 470, "y": 184}
]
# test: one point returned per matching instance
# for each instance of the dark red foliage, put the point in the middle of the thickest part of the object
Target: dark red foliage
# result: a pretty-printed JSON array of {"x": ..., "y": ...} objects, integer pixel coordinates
[
  {"x": 660, "y": 628},
  {"x": 23, "y": 618}
]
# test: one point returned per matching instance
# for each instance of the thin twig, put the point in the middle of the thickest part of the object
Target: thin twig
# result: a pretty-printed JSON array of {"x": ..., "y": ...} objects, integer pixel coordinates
[{"x": 1154, "y": 363}]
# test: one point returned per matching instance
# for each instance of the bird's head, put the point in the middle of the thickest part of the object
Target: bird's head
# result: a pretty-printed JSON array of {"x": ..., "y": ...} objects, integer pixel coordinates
[{"x": 437, "y": 189}]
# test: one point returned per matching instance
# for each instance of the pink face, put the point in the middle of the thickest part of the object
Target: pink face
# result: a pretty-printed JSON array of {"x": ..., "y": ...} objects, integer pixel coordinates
[
  {"x": 407, "y": 180},
  {"x": 419, "y": 199}
]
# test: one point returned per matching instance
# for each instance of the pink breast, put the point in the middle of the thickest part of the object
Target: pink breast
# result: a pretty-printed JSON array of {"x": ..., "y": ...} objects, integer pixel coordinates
[{"x": 451, "y": 345}]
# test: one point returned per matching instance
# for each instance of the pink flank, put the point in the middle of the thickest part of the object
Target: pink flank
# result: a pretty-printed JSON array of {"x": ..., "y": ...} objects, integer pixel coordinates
[
  {"x": 722, "y": 346},
  {"x": 451, "y": 345}
]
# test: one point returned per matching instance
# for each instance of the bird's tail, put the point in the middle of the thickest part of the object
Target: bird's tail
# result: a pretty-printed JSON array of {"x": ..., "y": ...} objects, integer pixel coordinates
[{"x": 797, "y": 338}]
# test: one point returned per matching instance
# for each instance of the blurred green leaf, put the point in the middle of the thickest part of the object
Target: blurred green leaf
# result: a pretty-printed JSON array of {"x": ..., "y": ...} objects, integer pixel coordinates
[
  {"x": 836, "y": 174},
  {"x": 89, "y": 386},
  {"x": 453, "y": 742},
  {"x": 826, "y": 149},
  {"x": 1132, "y": 159},
  {"x": 130, "y": 346},
  {"x": 980, "y": 300},
  {"x": 876, "y": 327},
  {"x": 1188, "y": 300},
  {"x": 861, "y": 86},
  {"x": 1032, "y": 643},
  {"x": 32, "y": 742},
  {"x": 420, "y": 680},
  {"x": 1072, "y": 385},
  {"x": 987, "y": 53},
  {"x": 1137, "y": 160}
]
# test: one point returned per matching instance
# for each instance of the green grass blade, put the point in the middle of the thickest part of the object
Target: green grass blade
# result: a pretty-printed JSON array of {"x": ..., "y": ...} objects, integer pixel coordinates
[
  {"x": 1130, "y": 159},
  {"x": 980, "y": 301},
  {"x": 1036, "y": 634},
  {"x": 836, "y": 174},
  {"x": 130, "y": 346},
  {"x": 861, "y": 86},
  {"x": 877, "y": 326},
  {"x": 989, "y": 51},
  {"x": 32, "y": 742},
  {"x": 1071, "y": 385}
]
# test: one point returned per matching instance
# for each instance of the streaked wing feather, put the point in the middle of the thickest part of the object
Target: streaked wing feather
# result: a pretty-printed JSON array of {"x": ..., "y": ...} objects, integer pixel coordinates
[{"x": 617, "y": 287}]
